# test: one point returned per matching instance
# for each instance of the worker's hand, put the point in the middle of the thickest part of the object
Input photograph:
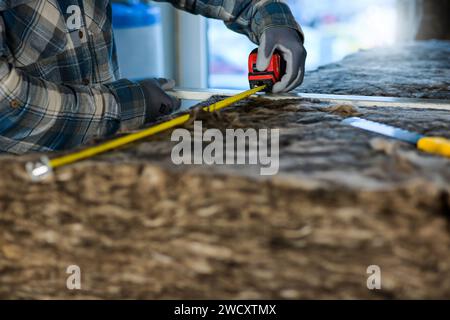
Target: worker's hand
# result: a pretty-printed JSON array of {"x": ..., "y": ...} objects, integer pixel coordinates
[
  {"x": 290, "y": 45},
  {"x": 158, "y": 102}
]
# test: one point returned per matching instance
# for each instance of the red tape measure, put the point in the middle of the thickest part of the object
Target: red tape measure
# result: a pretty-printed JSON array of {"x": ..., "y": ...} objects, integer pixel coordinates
[{"x": 273, "y": 74}]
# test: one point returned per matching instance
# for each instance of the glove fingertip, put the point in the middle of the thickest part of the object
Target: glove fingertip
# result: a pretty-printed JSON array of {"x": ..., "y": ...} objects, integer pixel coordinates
[
  {"x": 166, "y": 84},
  {"x": 262, "y": 63},
  {"x": 279, "y": 87},
  {"x": 171, "y": 84}
]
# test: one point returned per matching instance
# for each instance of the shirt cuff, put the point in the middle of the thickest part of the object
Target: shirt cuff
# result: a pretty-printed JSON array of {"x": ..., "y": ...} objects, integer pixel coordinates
[
  {"x": 131, "y": 101},
  {"x": 274, "y": 14}
]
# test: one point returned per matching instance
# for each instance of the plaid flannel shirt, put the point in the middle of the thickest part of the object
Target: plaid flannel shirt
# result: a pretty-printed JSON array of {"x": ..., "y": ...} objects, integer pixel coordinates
[{"x": 59, "y": 87}]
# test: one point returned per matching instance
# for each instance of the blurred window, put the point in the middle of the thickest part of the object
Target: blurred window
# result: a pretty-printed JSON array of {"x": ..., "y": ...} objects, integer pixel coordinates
[{"x": 333, "y": 29}]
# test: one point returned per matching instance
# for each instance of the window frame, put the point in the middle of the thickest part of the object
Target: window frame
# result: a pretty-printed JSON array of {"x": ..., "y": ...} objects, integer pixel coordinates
[{"x": 185, "y": 47}]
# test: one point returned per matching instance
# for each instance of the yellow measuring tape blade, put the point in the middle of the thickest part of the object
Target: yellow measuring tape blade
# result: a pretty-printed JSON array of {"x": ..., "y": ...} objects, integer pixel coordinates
[{"x": 113, "y": 144}]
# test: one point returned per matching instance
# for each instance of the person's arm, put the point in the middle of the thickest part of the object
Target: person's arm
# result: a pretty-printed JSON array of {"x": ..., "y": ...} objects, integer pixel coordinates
[
  {"x": 36, "y": 114},
  {"x": 39, "y": 114},
  {"x": 249, "y": 17},
  {"x": 268, "y": 23}
]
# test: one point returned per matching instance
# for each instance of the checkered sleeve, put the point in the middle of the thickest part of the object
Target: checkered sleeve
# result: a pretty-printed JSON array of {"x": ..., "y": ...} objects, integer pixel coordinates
[
  {"x": 249, "y": 17},
  {"x": 8, "y": 4},
  {"x": 40, "y": 115}
]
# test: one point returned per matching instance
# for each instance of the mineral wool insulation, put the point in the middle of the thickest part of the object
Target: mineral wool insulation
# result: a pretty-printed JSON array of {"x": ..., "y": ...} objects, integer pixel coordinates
[{"x": 140, "y": 226}]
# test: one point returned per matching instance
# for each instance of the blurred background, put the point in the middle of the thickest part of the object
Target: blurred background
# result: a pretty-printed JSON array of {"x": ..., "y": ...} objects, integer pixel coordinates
[{"x": 203, "y": 53}]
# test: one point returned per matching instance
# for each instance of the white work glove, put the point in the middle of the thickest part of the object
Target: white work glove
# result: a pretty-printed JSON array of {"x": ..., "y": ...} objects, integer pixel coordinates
[{"x": 290, "y": 45}]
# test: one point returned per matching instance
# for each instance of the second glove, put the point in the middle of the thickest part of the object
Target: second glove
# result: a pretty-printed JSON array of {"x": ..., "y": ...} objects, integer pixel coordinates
[{"x": 158, "y": 102}]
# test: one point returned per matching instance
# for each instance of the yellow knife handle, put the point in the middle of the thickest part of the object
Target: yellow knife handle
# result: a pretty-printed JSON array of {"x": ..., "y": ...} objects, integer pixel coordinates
[{"x": 435, "y": 145}]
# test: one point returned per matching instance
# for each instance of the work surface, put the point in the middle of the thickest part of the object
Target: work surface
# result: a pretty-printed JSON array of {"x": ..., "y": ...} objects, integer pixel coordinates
[
  {"x": 414, "y": 70},
  {"x": 140, "y": 227}
]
